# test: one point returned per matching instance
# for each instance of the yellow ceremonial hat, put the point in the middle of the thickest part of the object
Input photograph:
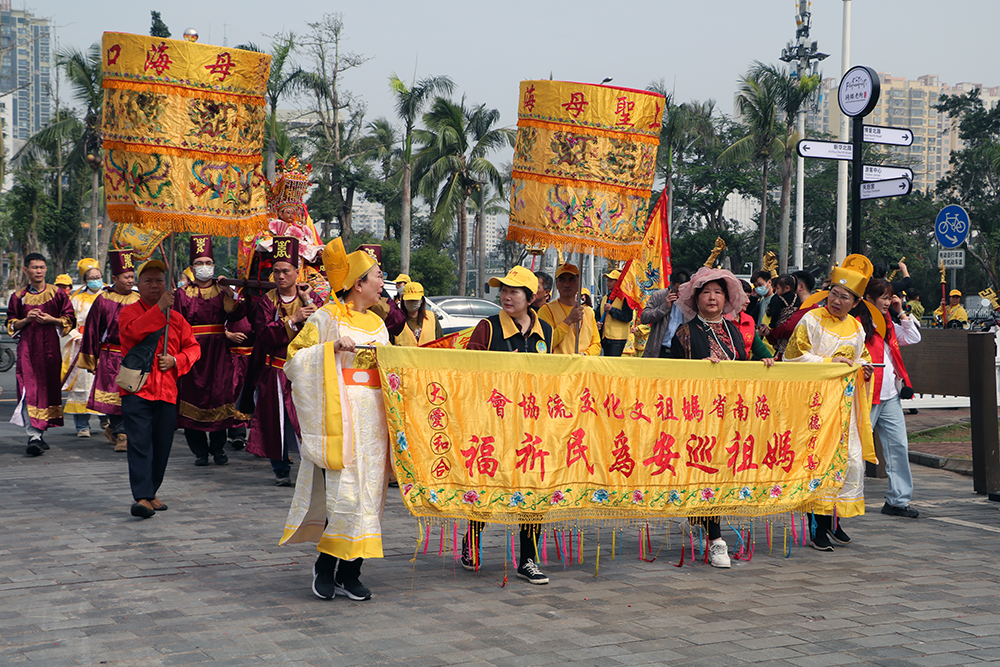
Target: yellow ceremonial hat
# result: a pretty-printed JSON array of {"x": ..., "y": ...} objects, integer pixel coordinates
[
  {"x": 86, "y": 264},
  {"x": 413, "y": 292},
  {"x": 853, "y": 274},
  {"x": 64, "y": 279},
  {"x": 359, "y": 263},
  {"x": 402, "y": 278},
  {"x": 335, "y": 263}
]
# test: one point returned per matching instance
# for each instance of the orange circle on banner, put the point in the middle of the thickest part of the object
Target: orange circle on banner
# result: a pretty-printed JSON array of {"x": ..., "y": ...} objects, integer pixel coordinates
[
  {"x": 440, "y": 443},
  {"x": 438, "y": 419},
  {"x": 436, "y": 394},
  {"x": 441, "y": 468}
]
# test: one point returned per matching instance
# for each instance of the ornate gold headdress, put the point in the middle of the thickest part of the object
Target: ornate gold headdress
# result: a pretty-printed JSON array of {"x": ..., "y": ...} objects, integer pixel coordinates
[
  {"x": 290, "y": 185},
  {"x": 771, "y": 263},
  {"x": 720, "y": 245}
]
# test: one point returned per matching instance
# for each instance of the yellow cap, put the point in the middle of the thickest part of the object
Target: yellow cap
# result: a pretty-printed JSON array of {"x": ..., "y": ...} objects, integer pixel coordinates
[
  {"x": 64, "y": 279},
  {"x": 853, "y": 274},
  {"x": 586, "y": 291},
  {"x": 402, "y": 278},
  {"x": 517, "y": 277},
  {"x": 151, "y": 264},
  {"x": 955, "y": 292},
  {"x": 413, "y": 292},
  {"x": 567, "y": 268},
  {"x": 359, "y": 263},
  {"x": 86, "y": 264},
  {"x": 614, "y": 275}
]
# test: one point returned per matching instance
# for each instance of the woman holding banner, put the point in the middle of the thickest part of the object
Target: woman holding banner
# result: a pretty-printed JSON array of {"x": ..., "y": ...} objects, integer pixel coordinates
[{"x": 706, "y": 299}]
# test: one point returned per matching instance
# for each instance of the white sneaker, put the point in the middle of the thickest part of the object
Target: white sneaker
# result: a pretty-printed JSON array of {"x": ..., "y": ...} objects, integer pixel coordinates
[
  {"x": 718, "y": 553},
  {"x": 83, "y": 433}
]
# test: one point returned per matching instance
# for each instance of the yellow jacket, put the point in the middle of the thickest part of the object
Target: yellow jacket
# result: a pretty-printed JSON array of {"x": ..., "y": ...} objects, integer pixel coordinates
[{"x": 564, "y": 335}]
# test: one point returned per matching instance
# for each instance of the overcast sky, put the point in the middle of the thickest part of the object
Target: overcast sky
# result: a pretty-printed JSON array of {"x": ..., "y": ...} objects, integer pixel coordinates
[{"x": 698, "y": 47}]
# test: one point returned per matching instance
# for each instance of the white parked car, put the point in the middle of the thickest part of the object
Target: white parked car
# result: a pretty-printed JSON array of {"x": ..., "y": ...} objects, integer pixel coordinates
[{"x": 460, "y": 312}]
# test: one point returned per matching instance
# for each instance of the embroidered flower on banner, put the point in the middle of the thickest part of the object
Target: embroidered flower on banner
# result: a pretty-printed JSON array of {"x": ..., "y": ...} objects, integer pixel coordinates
[
  {"x": 407, "y": 488},
  {"x": 838, "y": 477},
  {"x": 775, "y": 491},
  {"x": 814, "y": 484},
  {"x": 395, "y": 382},
  {"x": 637, "y": 496},
  {"x": 557, "y": 497},
  {"x": 600, "y": 496},
  {"x": 470, "y": 497},
  {"x": 849, "y": 391},
  {"x": 434, "y": 497},
  {"x": 517, "y": 499},
  {"x": 674, "y": 498},
  {"x": 401, "y": 441},
  {"x": 745, "y": 493},
  {"x": 707, "y": 494}
]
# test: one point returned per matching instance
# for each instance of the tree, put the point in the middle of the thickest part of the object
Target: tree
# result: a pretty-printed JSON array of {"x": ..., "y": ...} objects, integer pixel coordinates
[
  {"x": 382, "y": 147},
  {"x": 792, "y": 93},
  {"x": 409, "y": 103},
  {"x": 756, "y": 104},
  {"x": 159, "y": 28},
  {"x": 456, "y": 143}
]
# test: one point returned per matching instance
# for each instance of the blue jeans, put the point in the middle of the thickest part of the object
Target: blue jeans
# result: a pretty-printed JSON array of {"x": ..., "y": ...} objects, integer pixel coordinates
[
  {"x": 887, "y": 418},
  {"x": 81, "y": 421}
]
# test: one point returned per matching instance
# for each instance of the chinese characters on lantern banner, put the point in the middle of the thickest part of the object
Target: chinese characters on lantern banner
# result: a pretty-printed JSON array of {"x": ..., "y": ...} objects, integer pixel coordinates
[{"x": 512, "y": 438}]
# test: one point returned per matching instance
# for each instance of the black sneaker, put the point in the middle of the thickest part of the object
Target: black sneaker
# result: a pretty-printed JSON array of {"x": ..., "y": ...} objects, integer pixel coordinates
[
  {"x": 35, "y": 447},
  {"x": 238, "y": 444},
  {"x": 528, "y": 570},
  {"x": 220, "y": 459},
  {"x": 821, "y": 541},
  {"x": 907, "y": 511},
  {"x": 324, "y": 572},
  {"x": 45, "y": 445},
  {"x": 201, "y": 461},
  {"x": 353, "y": 589},
  {"x": 282, "y": 480},
  {"x": 467, "y": 555},
  {"x": 839, "y": 535}
]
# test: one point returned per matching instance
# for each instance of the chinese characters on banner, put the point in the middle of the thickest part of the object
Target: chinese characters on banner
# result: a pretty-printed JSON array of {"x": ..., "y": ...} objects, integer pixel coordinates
[{"x": 510, "y": 438}]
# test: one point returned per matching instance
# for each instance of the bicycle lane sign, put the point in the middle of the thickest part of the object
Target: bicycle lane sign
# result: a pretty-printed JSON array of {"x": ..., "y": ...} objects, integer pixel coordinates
[{"x": 952, "y": 226}]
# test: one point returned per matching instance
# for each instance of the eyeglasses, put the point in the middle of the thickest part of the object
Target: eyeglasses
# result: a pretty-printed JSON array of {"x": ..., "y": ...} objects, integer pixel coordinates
[{"x": 840, "y": 296}]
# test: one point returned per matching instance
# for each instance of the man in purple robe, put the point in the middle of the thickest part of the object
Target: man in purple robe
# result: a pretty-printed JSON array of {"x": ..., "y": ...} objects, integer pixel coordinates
[
  {"x": 205, "y": 402},
  {"x": 101, "y": 351},
  {"x": 36, "y": 315},
  {"x": 277, "y": 317}
]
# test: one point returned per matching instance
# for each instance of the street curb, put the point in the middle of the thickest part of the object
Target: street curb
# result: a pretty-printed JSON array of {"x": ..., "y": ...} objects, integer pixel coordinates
[{"x": 960, "y": 466}]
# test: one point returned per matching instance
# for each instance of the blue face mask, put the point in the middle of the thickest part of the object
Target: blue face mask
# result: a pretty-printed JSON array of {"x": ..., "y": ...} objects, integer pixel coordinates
[
  {"x": 94, "y": 285},
  {"x": 762, "y": 291}
]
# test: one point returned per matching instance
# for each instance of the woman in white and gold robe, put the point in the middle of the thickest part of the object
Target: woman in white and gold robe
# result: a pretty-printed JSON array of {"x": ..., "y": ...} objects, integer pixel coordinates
[{"x": 342, "y": 481}]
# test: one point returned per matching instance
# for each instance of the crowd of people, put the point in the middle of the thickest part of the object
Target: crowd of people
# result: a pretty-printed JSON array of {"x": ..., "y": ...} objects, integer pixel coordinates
[{"x": 242, "y": 367}]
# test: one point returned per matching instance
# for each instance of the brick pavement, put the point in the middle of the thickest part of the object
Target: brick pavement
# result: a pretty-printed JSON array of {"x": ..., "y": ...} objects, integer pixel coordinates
[{"x": 83, "y": 583}]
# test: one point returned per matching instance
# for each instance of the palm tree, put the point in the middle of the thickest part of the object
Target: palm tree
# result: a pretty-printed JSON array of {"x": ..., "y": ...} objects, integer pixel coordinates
[
  {"x": 456, "y": 143},
  {"x": 757, "y": 106},
  {"x": 793, "y": 92},
  {"x": 382, "y": 146},
  {"x": 409, "y": 102}
]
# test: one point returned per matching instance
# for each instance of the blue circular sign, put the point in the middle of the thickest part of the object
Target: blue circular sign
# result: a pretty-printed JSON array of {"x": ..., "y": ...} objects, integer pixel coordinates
[{"x": 952, "y": 226}]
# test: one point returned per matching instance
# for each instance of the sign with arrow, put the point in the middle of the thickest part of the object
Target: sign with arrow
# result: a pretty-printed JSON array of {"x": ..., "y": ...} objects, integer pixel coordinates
[
  {"x": 893, "y": 187},
  {"x": 877, "y": 172},
  {"x": 894, "y": 136},
  {"x": 952, "y": 226},
  {"x": 826, "y": 150}
]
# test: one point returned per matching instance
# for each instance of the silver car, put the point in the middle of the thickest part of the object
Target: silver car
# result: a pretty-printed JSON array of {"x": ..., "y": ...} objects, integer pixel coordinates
[{"x": 456, "y": 313}]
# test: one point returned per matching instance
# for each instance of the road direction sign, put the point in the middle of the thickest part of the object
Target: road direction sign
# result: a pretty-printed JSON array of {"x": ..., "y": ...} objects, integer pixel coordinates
[
  {"x": 876, "y": 172},
  {"x": 827, "y": 150},
  {"x": 952, "y": 226},
  {"x": 952, "y": 259},
  {"x": 894, "y": 136},
  {"x": 893, "y": 187}
]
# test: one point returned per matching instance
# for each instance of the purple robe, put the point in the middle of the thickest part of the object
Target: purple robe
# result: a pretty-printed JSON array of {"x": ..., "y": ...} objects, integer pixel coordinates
[
  {"x": 205, "y": 398},
  {"x": 273, "y": 395},
  {"x": 101, "y": 350},
  {"x": 39, "y": 358},
  {"x": 241, "y": 361}
]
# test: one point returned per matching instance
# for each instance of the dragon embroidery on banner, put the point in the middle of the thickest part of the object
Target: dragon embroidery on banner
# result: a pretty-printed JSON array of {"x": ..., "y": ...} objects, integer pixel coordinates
[
  {"x": 229, "y": 183},
  {"x": 135, "y": 180}
]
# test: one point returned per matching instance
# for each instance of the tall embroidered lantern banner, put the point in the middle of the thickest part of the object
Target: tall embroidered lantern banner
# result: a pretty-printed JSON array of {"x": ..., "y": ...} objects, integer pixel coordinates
[
  {"x": 511, "y": 438},
  {"x": 584, "y": 163},
  {"x": 183, "y": 135}
]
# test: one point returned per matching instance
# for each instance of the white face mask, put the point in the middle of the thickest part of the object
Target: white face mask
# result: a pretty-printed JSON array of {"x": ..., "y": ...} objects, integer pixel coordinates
[
  {"x": 412, "y": 306},
  {"x": 203, "y": 272}
]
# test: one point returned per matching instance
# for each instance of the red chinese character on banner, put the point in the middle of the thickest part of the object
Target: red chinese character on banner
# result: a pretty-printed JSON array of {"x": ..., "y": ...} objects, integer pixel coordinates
[
  {"x": 436, "y": 394},
  {"x": 623, "y": 460},
  {"x": 441, "y": 468},
  {"x": 699, "y": 448},
  {"x": 812, "y": 462},
  {"x": 813, "y": 441},
  {"x": 558, "y": 409},
  {"x": 665, "y": 408},
  {"x": 114, "y": 53},
  {"x": 816, "y": 400},
  {"x": 779, "y": 452},
  {"x": 531, "y": 409},
  {"x": 438, "y": 419},
  {"x": 613, "y": 406},
  {"x": 530, "y": 453},
  {"x": 663, "y": 455},
  {"x": 440, "y": 443},
  {"x": 529, "y": 99},
  {"x": 624, "y": 111},
  {"x": 157, "y": 59},
  {"x": 480, "y": 456},
  {"x": 656, "y": 118},
  {"x": 636, "y": 413},
  {"x": 692, "y": 409},
  {"x": 814, "y": 422},
  {"x": 577, "y": 103},
  {"x": 719, "y": 406},
  {"x": 741, "y": 410},
  {"x": 587, "y": 402},
  {"x": 762, "y": 409},
  {"x": 223, "y": 65},
  {"x": 747, "y": 461},
  {"x": 576, "y": 450},
  {"x": 499, "y": 402}
]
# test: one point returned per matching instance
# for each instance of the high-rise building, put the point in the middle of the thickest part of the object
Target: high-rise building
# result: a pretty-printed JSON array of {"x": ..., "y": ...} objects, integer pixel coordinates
[{"x": 27, "y": 74}]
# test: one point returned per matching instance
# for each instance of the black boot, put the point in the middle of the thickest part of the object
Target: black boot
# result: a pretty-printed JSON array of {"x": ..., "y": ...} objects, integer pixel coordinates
[
  {"x": 839, "y": 535},
  {"x": 324, "y": 571},
  {"x": 348, "y": 580},
  {"x": 820, "y": 536}
]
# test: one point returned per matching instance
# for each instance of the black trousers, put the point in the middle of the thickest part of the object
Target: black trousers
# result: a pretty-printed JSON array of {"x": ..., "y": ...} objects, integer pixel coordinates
[
  {"x": 117, "y": 423},
  {"x": 203, "y": 444},
  {"x": 149, "y": 426},
  {"x": 237, "y": 433},
  {"x": 612, "y": 347}
]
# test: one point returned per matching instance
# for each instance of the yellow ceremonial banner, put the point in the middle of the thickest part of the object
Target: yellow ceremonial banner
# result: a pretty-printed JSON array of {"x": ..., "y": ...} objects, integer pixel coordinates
[
  {"x": 651, "y": 270},
  {"x": 142, "y": 241},
  {"x": 183, "y": 134},
  {"x": 513, "y": 438},
  {"x": 584, "y": 162}
]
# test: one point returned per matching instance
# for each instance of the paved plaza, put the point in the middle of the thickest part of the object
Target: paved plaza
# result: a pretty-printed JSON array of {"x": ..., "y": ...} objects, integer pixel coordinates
[{"x": 84, "y": 583}]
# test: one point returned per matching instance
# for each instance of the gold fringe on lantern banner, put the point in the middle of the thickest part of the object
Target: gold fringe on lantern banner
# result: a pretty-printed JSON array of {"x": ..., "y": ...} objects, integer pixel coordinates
[
  {"x": 183, "y": 91},
  {"x": 609, "y": 249},
  {"x": 185, "y": 222},
  {"x": 236, "y": 158},
  {"x": 596, "y": 131},
  {"x": 576, "y": 183}
]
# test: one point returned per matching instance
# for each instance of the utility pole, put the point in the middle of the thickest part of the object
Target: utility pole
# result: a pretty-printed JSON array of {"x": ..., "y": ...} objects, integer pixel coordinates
[
  {"x": 804, "y": 58},
  {"x": 845, "y": 64}
]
